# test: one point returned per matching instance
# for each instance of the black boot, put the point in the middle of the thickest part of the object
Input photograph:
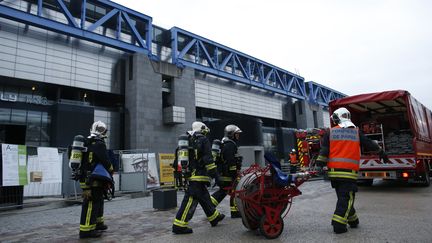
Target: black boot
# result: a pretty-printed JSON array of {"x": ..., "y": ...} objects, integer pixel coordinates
[
  {"x": 354, "y": 224},
  {"x": 338, "y": 229},
  {"x": 101, "y": 226},
  {"x": 217, "y": 219},
  {"x": 181, "y": 230},
  {"x": 90, "y": 234},
  {"x": 235, "y": 214}
]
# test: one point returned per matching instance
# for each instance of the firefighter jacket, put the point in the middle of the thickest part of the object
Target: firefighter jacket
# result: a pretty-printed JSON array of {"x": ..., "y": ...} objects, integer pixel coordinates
[
  {"x": 229, "y": 161},
  {"x": 96, "y": 154},
  {"x": 200, "y": 159},
  {"x": 340, "y": 148}
]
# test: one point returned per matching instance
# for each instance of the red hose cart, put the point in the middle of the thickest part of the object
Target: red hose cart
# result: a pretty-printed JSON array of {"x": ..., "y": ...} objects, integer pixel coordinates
[{"x": 264, "y": 196}]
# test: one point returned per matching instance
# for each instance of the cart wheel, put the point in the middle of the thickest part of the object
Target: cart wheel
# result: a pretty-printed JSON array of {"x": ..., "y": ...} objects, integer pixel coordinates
[{"x": 269, "y": 230}]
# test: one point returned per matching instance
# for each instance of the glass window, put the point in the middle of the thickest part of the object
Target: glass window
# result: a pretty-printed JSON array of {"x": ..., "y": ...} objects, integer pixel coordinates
[
  {"x": 5, "y": 115},
  {"x": 33, "y": 134},
  {"x": 44, "y": 134},
  {"x": 33, "y": 127},
  {"x": 18, "y": 116},
  {"x": 34, "y": 117},
  {"x": 270, "y": 143}
]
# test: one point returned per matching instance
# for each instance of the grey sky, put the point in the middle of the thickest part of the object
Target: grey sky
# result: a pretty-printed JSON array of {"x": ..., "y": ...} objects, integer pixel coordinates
[{"x": 351, "y": 46}]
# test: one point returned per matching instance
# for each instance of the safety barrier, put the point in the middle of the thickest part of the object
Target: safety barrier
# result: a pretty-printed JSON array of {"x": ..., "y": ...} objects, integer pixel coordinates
[
  {"x": 29, "y": 171},
  {"x": 134, "y": 170}
]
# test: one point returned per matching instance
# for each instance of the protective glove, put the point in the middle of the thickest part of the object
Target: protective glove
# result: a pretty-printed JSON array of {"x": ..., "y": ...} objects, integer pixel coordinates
[
  {"x": 86, "y": 194},
  {"x": 383, "y": 157}
]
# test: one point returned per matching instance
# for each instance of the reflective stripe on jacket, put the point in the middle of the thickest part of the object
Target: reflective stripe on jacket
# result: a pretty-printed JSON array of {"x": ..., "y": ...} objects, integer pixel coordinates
[{"x": 344, "y": 156}]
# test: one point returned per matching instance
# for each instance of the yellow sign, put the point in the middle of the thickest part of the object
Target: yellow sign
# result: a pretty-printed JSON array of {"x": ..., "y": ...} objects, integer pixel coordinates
[{"x": 166, "y": 169}]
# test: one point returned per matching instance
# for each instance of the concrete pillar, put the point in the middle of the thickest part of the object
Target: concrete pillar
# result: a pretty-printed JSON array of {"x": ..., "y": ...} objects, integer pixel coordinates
[{"x": 144, "y": 125}]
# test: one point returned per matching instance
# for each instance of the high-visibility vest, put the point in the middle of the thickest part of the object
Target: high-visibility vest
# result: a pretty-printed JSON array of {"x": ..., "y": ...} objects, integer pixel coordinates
[{"x": 344, "y": 156}]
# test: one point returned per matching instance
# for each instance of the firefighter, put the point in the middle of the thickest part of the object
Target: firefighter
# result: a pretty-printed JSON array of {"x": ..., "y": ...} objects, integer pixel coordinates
[
  {"x": 196, "y": 171},
  {"x": 177, "y": 171},
  {"x": 340, "y": 150},
  {"x": 293, "y": 161},
  {"x": 94, "y": 181},
  {"x": 229, "y": 164}
]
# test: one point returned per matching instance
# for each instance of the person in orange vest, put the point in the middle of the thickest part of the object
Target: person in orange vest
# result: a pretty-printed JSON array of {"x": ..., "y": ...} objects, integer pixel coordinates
[
  {"x": 293, "y": 162},
  {"x": 340, "y": 150}
]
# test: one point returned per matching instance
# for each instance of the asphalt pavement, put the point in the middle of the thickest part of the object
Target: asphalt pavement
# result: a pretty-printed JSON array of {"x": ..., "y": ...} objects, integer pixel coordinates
[{"x": 387, "y": 214}]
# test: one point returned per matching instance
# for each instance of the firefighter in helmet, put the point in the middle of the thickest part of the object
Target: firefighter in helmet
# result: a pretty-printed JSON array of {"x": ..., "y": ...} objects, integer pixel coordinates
[
  {"x": 229, "y": 164},
  {"x": 293, "y": 161},
  {"x": 340, "y": 151},
  {"x": 96, "y": 176},
  {"x": 196, "y": 171}
]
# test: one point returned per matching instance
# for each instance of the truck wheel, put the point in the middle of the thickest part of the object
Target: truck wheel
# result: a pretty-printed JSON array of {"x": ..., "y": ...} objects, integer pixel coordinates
[{"x": 426, "y": 181}]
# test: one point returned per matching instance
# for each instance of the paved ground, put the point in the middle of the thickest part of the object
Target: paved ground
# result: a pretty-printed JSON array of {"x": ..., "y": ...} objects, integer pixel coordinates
[{"x": 387, "y": 214}]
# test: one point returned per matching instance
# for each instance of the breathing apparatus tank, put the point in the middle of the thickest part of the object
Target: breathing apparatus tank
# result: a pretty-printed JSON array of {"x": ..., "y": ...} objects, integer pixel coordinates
[
  {"x": 76, "y": 156},
  {"x": 216, "y": 149},
  {"x": 183, "y": 153}
]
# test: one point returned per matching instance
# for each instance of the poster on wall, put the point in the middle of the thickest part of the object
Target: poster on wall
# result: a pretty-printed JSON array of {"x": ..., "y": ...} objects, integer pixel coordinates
[
  {"x": 140, "y": 162},
  {"x": 14, "y": 161},
  {"x": 50, "y": 164},
  {"x": 166, "y": 169}
]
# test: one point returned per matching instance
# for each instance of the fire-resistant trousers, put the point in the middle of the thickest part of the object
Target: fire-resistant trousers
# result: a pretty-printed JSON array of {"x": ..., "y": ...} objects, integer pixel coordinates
[
  {"x": 195, "y": 193},
  {"x": 220, "y": 194},
  {"x": 92, "y": 210},
  {"x": 344, "y": 212}
]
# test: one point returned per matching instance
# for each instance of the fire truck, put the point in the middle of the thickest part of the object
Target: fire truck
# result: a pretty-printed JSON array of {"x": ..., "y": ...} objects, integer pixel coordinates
[
  {"x": 402, "y": 126},
  {"x": 308, "y": 147}
]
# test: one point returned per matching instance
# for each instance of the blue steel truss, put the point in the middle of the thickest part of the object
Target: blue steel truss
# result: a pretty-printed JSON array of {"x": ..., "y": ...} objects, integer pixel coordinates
[
  {"x": 210, "y": 57},
  {"x": 76, "y": 25},
  {"x": 319, "y": 94},
  {"x": 187, "y": 49}
]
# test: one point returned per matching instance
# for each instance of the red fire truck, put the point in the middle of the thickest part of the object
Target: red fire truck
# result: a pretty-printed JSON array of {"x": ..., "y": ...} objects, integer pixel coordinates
[
  {"x": 403, "y": 128},
  {"x": 308, "y": 147}
]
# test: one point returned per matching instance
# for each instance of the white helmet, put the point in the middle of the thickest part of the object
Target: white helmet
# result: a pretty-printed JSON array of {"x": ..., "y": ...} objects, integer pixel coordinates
[
  {"x": 293, "y": 151},
  {"x": 230, "y": 130},
  {"x": 98, "y": 129},
  {"x": 200, "y": 127},
  {"x": 342, "y": 117}
]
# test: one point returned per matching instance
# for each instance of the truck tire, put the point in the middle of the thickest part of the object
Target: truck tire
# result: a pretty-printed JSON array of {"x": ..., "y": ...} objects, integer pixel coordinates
[{"x": 426, "y": 181}]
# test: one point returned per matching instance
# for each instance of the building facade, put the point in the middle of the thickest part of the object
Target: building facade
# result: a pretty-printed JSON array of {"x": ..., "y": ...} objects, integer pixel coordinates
[{"x": 65, "y": 64}]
